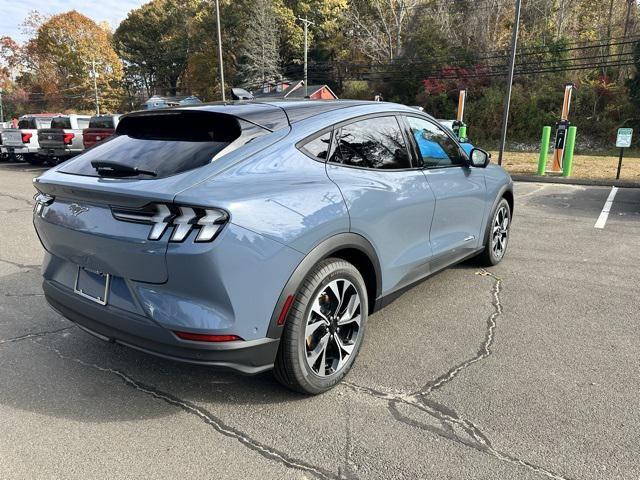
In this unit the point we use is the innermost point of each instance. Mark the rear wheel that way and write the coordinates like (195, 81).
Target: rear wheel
(497, 235)
(324, 329)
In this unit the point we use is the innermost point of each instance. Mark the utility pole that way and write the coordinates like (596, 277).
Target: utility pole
(512, 65)
(95, 85)
(306, 23)
(623, 70)
(1, 108)
(220, 51)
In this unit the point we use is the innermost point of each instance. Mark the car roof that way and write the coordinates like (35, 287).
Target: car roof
(272, 115)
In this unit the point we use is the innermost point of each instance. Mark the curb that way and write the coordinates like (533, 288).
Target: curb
(575, 181)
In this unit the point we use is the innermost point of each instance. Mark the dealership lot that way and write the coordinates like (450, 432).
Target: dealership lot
(526, 370)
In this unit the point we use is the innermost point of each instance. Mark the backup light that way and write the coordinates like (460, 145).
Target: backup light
(207, 221)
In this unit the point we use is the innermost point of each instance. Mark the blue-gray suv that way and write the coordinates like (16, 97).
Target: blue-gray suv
(262, 235)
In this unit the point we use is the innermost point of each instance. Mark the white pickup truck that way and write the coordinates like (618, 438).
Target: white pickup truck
(22, 143)
(64, 139)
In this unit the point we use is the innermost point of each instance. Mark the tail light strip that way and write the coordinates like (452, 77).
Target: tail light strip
(184, 219)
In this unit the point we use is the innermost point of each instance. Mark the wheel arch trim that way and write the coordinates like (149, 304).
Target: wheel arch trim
(500, 195)
(333, 244)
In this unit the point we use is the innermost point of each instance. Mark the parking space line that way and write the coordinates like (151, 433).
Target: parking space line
(604, 215)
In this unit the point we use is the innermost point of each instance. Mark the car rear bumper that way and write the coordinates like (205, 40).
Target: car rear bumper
(119, 326)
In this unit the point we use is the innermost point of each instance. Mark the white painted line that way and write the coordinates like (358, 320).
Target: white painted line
(602, 219)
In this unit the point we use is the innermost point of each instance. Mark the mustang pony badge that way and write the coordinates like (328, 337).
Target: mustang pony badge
(77, 209)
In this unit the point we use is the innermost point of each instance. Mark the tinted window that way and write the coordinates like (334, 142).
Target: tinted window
(27, 123)
(61, 122)
(165, 143)
(435, 147)
(372, 143)
(319, 147)
(83, 123)
(101, 122)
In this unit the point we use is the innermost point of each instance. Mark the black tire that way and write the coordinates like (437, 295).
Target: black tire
(291, 367)
(490, 256)
(34, 159)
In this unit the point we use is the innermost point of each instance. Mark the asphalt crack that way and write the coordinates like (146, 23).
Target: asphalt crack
(485, 349)
(207, 417)
(34, 335)
(17, 199)
(23, 266)
(348, 471)
(452, 426)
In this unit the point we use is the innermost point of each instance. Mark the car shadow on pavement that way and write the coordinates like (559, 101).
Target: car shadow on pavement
(52, 367)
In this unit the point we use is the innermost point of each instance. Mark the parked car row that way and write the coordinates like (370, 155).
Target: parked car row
(54, 138)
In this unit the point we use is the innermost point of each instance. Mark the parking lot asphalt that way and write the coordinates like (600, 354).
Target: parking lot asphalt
(527, 370)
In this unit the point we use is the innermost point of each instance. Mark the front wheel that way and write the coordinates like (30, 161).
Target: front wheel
(324, 329)
(497, 235)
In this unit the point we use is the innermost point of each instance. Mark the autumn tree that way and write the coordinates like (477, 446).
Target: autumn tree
(155, 42)
(63, 51)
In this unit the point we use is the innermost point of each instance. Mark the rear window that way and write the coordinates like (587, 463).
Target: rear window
(27, 123)
(166, 143)
(101, 122)
(61, 122)
(83, 123)
(33, 123)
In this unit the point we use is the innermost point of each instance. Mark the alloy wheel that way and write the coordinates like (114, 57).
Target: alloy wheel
(333, 327)
(500, 233)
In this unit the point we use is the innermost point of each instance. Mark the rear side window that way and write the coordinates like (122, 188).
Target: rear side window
(101, 122)
(373, 143)
(83, 123)
(318, 147)
(165, 143)
(61, 122)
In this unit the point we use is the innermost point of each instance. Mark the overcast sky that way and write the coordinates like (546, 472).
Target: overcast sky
(14, 11)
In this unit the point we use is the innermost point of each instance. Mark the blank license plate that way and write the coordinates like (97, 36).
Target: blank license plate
(92, 285)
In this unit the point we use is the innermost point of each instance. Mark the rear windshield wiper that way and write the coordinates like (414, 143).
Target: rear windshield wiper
(106, 167)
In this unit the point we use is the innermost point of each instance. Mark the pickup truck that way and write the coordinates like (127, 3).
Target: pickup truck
(100, 128)
(12, 146)
(22, 143)
(64, 139)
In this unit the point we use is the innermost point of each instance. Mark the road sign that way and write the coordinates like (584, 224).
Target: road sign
(624, 137)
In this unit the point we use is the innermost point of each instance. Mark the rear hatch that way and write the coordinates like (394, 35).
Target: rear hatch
(11, 138)
(151, 158)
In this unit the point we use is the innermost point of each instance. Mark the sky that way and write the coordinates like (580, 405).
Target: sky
(13, 12)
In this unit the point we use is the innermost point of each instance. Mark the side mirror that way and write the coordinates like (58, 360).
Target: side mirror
(479, 158)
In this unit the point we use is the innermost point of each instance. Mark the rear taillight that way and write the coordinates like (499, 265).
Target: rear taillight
(68, 138)
(205, 337)
(182, 219)
(26, 137)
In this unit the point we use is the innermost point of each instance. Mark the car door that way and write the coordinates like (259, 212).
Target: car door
(389, 200)
(459, 189)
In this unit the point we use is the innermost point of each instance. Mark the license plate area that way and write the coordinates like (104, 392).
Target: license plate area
(92, 285)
